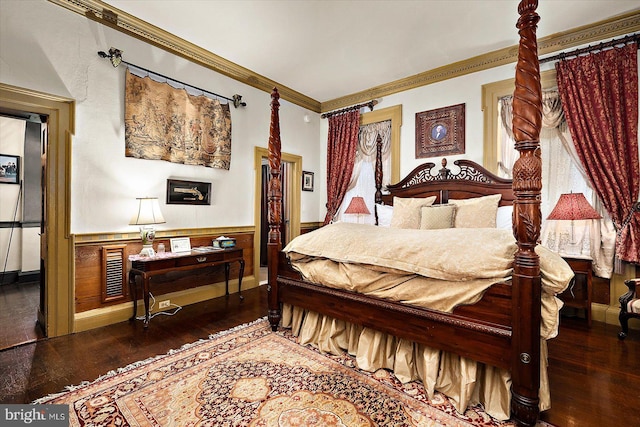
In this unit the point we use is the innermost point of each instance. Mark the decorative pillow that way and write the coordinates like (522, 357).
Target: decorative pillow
(384, 213)
(406, 211)
(479, 212)
(437, 216)
(504, 218)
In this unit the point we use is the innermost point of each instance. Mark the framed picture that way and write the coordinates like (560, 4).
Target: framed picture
(307, 181)
(9, 169)
(180, 244)
(440, 132)
(188, 192)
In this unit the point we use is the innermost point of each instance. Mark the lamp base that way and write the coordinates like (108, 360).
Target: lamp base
(573, 248)
(147, 250)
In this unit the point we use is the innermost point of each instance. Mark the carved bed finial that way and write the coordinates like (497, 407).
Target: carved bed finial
(444, 172)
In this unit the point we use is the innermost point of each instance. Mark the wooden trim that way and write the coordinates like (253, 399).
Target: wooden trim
(619, 25)
(59, 257)
(104, 316)
(119, 20)
(295, 196)
(395, 115)
(114, 18)
(91, 238)
(491, 94)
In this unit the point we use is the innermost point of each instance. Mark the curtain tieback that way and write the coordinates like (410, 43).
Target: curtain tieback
(627, 220)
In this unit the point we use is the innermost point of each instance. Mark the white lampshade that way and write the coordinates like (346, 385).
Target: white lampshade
(147, 212)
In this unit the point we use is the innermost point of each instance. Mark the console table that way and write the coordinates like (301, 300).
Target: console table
(162, 263)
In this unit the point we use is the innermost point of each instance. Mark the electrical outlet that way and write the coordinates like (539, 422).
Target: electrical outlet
(164, 304)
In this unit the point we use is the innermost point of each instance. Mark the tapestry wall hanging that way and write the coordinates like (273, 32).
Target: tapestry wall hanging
(440, 132)
(164, 123)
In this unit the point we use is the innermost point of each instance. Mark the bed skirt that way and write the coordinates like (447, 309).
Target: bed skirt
(464, 381)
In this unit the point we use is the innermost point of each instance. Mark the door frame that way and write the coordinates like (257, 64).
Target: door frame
(59, 249)
(296, 189)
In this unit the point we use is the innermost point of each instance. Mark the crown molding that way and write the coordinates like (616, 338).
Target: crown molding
(620, 25)
(105, 14)
(121, 21)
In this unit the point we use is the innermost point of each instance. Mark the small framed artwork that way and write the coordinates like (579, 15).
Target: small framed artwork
(440, 132)
(9, 169)
(307, 181)
(188, 192)
(180, 244)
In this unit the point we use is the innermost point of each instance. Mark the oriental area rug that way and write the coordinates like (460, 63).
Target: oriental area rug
(251, 376)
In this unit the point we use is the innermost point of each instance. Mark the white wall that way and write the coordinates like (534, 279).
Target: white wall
(11, 142)
(47, 48)
(462, 90)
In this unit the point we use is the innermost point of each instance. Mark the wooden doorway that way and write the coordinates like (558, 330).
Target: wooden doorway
(24, 135)
(291, 199)
(56, 312)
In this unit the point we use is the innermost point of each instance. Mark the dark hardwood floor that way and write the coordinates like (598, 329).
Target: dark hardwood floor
(595, 378)
(19, 313)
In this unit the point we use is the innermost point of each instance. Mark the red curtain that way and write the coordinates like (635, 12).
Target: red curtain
(341, 153)
(599, 95)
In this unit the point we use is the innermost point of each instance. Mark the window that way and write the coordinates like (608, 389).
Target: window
(387, 122)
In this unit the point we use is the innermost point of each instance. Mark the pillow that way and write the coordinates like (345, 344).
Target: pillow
(504, 218)
(384, 213)
(479, 212)
(437, 216)
(406, 211)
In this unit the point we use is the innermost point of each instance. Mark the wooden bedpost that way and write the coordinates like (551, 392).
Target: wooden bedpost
(527, 183)
(378, 175)
(274, 244)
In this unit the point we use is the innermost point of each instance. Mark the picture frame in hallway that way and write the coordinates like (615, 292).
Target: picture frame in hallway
(307, 181)
(9, 169)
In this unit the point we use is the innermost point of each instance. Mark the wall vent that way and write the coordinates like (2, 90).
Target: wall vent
(114, 284)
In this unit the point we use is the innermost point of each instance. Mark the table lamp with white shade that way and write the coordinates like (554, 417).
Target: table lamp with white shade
(147, 214)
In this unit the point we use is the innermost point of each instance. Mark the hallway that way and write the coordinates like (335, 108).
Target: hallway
(19, 314)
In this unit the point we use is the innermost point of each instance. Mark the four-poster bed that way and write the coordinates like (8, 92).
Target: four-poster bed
(502, 329)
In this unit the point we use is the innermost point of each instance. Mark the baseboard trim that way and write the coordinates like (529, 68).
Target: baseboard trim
(99, 317)
(610, 314)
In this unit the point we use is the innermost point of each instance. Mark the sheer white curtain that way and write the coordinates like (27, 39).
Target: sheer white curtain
(562, 172)
(363, 181)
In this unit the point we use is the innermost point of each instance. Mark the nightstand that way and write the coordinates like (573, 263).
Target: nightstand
(578, 294)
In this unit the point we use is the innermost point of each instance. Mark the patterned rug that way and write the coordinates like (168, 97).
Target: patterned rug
(250, 376)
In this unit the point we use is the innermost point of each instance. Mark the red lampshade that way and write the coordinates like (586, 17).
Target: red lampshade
(573, 206)
(357, 206)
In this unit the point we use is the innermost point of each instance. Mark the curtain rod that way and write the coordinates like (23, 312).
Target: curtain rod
(369, 104)
(591, 48)
(115, 56)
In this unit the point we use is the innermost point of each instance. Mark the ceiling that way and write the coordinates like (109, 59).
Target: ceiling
(326, 49)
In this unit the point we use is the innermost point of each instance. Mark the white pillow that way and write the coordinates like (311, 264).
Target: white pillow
(477, 212)
(504, 218)
(407, 211)
(384, 212)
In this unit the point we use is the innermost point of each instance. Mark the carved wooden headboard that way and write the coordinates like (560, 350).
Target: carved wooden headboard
(466, 181)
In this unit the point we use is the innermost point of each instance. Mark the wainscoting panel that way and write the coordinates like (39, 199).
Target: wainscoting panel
(102, 267)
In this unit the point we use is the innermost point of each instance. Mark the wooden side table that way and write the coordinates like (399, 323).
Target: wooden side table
(147, 267)
(578, 294)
